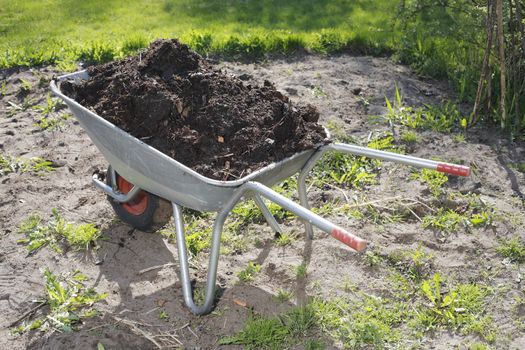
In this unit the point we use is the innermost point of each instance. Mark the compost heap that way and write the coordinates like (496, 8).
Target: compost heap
(174, 100)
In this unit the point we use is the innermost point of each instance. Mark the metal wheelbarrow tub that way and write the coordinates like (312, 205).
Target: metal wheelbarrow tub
(150, 170)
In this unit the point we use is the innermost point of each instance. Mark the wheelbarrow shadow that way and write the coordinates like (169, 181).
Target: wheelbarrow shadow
(140, 273)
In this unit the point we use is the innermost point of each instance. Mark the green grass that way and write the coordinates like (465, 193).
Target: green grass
(352, 171)
(406, 313)
(433, 179)
(512, 249)
(442, 118)
(32, 32)
(69, 302)
(56, 232)
(474, 214)
(281, 332)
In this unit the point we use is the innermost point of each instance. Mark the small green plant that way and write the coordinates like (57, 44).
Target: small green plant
(412, 264)
(443, 118)
(433, 179)
(518, 166)
(69, 302)
(285, 239)
(462, 308)
(373, 257)
(301, 271)
(445, 220)
(25, 86)
(459, 138)
(52, 122)
(249, 273)
(478, 346)
(37, 165)
(476, 213)
(512, 249)
(318, 91)
(56, 232)
(409, 137)
(52, 105)
(3, 88)
(283, 295)
(14, 108)
(163, 315)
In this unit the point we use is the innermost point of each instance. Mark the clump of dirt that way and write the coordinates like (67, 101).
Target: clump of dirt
(174, 100)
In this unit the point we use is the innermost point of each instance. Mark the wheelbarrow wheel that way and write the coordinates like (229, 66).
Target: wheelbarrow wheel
(146, 212)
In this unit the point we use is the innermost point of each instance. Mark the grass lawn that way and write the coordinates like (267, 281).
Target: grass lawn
(62, 31)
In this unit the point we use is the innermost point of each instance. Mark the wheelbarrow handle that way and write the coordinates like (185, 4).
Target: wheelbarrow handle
(452, 169)
(335, 231)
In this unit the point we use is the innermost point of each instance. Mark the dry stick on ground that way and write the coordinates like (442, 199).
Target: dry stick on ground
(156, 268)
(502, 67)
(137, 330)
(26, 314)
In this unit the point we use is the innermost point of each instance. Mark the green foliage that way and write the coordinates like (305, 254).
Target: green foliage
(352, 171)
(476, 213)
(14, 108)
(409, 137)
(22, 165)
(443, 118)
(51, 123)
(52, 105)
(370, 322)
(51, 35)
(249, 273)
(301, 270)
(163, 315)
(460, 308)
(318, 91)
(433, 179)
(445, 220)
(285, 239)
(3, 88)
(69, 302)
(56, 232)
(25, 86)
(283, 295)
(276, 333)
(512, 249)
(518, 166)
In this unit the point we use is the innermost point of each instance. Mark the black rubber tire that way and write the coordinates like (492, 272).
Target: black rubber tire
(156, 215)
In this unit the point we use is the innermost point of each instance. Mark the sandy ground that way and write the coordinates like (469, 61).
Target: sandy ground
(347, 90)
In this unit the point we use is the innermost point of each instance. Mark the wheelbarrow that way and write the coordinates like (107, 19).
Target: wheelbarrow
(140, 178)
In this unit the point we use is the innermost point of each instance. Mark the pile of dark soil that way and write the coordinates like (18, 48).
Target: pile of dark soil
(173, 99)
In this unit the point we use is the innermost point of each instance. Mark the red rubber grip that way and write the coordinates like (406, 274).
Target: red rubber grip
(349, 239)
(452, 169)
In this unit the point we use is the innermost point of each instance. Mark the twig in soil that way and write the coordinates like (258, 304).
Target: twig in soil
(413, 213)
(26, 314)
(388, 199)
(340, 190)
(192, 332)
(150, 311)
(225, 156)
(138, 331)
(155, 268)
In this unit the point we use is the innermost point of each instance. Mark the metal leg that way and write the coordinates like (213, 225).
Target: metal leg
(267, 214)
(301, 188)
(214, 255)
(258, 189)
